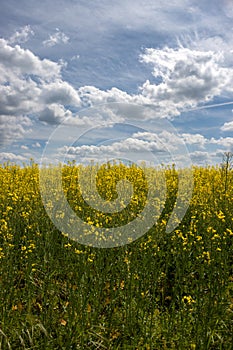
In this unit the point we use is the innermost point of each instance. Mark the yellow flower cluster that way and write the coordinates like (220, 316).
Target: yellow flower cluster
(20, 203)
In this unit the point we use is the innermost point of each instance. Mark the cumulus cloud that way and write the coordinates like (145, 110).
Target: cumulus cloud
(30, 86)
(21, 36)
(164, 138)
(145, 135)
(226, 142)
(8, 156)
(57, 38)
(13, 127)
(186, 77)
(61, 92)
(183, 79)
(15, 60)
(163, 145)
(115, 149)
(205, 144)
(227, 126)
(157, 148)
(19, 96)
(91, 95)
(194, 139)
(54, 114)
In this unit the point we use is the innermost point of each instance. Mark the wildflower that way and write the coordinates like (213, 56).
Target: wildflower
(206, 256)
(77, 251)
(229, 231)
(187, 299)
(1, 253)
(68, 245)
(221, 215)
(216, 236)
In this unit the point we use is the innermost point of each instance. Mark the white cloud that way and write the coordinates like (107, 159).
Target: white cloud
(173, 139)
(13, 127)
(22, 35)
(188, 77)
(145, 135)
(91, 95)
(15, 60)
(194, 139)
(19, 96)
(30, 86)
(57, 113)
(8, 156)
(54, 114)
(36, 145)
(164, 138)
(217, 42)
(59, 91)
(227, 126)
(185, 79)
(140, 143)
(56, 38)
(164, 147)
(226, 142)
(115, 149)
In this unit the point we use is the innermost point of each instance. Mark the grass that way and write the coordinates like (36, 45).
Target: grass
(163, 291)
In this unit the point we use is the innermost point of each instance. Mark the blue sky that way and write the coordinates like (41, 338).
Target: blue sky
(66, 65)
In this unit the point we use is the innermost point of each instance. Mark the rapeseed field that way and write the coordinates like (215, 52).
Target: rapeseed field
(164, 290)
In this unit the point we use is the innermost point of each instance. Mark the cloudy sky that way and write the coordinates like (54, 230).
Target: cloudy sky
(141, 80)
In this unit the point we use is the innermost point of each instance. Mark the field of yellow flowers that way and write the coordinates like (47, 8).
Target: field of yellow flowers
(162, 291)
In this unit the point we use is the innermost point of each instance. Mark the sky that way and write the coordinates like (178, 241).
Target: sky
(99, 80)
